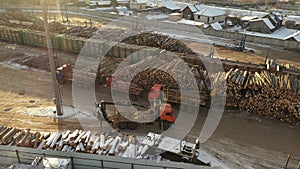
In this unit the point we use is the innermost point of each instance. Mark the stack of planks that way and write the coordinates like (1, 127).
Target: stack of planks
(105, 143)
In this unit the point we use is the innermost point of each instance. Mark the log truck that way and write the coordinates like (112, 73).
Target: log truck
(162, 113)
(84, 77)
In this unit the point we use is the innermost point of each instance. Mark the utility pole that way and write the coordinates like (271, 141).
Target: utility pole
(66, 12)
(51, 60)
(62, 14)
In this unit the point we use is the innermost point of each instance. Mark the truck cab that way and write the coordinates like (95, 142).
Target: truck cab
(166, 113)
(64, 73)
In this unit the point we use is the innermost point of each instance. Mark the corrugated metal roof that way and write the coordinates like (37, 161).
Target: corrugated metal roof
(142, 1)
(282, 33)
(192, 8)
(297, 37)
(248, 18)
(268, 23)
(211, 12)
(170, 5)
(200, 7)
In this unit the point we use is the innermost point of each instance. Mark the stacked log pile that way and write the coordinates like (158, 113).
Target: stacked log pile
(105, 143)
(18, 18)
(80, 31)
(156, 71)
(159, 41)
(40, 62)
(272, 95)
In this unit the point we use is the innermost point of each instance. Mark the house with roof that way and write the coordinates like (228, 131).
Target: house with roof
(168, 6)
(244, 21)
(103, 4)
(210, 15)
(189, 10)
(262, 25)
(138, 4)
(294, 41)
(267, 24)
(276, 18)
(203, 13)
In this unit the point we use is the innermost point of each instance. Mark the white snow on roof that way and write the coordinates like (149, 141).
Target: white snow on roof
(100, 2)
(282, 33)
(293, 17)
(200, 7)
(273, 18)
(211, 12)
(216, 26)
(182, 4)
(170, 4)
(297, 37)
(122, 1)
(240, 12)
(196, 8)
(192, 8)
(104, 2)
(268, 23)
(232, 11)
(190, 22)
(142, 1)
(248, 18)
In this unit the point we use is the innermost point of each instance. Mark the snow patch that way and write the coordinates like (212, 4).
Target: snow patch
(216, 26)
(157, 17)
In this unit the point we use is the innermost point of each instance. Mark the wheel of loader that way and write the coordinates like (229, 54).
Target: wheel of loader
(132, 125)
(122, 125)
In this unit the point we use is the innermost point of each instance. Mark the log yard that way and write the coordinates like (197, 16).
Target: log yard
(150, 84)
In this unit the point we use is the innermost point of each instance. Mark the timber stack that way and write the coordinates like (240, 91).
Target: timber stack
(159, 41)
(272, 95)
(104, 143)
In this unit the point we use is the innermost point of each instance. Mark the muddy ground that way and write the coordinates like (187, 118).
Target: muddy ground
(240, 141)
